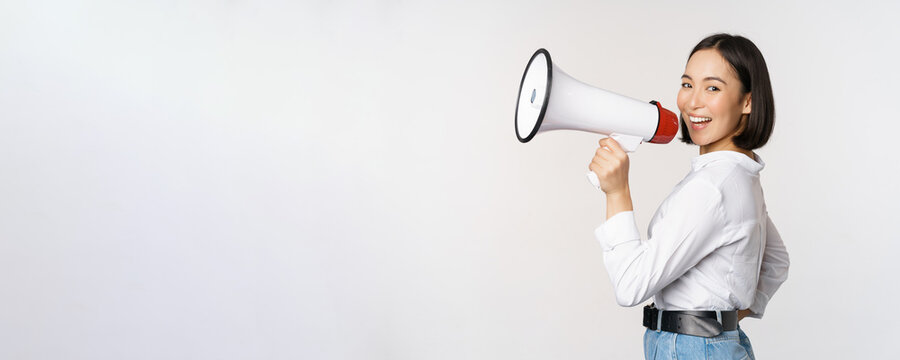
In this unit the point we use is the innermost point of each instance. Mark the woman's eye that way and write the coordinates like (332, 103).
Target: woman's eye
(712, 88)
(686, 85)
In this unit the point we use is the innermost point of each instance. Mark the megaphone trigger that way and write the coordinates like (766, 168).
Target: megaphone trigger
(629, 143)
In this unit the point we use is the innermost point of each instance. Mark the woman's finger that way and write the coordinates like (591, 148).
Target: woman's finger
(598, 170)
(613, 146)
(599, 164)
(603, 153)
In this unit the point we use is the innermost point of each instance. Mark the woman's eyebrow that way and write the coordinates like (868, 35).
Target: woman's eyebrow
(706, 78)
(716, 79)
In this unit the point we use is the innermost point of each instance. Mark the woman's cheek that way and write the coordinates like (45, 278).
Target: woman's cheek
(680, 100)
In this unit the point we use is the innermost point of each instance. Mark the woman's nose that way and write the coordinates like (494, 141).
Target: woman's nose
(696, 100)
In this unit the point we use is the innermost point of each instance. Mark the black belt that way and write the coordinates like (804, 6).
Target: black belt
(697, 323)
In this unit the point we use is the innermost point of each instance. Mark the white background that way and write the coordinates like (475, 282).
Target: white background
(341, 180)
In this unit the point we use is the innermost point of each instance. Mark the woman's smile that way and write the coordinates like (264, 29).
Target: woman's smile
(699, 122)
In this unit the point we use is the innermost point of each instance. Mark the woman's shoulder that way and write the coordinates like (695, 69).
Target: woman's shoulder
(696, 187)
(738, 191)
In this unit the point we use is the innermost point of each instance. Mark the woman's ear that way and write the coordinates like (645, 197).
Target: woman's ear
(745, 115)
(747, 103)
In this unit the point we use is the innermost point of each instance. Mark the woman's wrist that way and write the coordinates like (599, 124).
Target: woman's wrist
(618, 201)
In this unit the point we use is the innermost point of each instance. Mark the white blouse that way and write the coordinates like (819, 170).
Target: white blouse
(712, 245)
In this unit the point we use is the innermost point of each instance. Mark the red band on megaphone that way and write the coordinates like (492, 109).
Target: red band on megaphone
(667, 126)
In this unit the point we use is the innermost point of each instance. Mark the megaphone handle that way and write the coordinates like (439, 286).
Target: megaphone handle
(629, 144)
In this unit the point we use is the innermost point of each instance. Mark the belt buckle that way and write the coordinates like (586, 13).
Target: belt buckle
(659, 314)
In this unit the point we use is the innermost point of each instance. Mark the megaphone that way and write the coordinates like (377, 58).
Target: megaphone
(550, 99)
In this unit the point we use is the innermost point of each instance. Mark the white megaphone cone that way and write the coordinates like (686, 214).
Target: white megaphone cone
(550, 99)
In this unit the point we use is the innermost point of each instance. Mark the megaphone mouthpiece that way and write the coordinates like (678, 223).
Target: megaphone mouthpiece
(667, 126)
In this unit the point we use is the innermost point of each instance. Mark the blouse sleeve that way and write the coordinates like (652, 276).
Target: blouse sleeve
(773, 271)
(681, 238)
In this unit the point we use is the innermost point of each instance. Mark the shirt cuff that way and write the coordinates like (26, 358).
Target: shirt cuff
(618, 229)
(759, 305)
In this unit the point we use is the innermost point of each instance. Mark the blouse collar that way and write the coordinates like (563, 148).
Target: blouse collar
(752, 165)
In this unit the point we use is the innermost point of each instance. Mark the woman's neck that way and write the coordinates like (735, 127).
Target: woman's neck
(723, 145)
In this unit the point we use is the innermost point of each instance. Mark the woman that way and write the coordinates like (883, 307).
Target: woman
(713, 255)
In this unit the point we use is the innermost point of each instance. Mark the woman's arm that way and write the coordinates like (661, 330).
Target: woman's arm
(685, 235)
(773, 272)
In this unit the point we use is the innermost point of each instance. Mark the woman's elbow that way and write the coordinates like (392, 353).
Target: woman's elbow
(629, 297)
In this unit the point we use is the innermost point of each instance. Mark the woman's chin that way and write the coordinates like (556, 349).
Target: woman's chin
(699, 142)
(694, 139)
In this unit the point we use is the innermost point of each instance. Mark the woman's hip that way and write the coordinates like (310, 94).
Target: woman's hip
(732, 344)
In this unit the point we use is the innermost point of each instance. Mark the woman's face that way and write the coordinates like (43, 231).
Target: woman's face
(711, 101)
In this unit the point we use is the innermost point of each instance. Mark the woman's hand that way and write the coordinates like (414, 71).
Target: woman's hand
(743, 313)
(610, 163)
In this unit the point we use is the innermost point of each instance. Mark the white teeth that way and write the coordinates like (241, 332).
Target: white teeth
(699, 119)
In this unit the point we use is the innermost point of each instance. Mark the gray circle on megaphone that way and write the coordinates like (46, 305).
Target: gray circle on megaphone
(538, 84)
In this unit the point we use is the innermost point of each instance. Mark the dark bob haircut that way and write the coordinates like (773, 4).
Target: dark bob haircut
(750, 67)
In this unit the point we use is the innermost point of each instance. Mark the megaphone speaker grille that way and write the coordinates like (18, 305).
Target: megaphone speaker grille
(534, 95)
